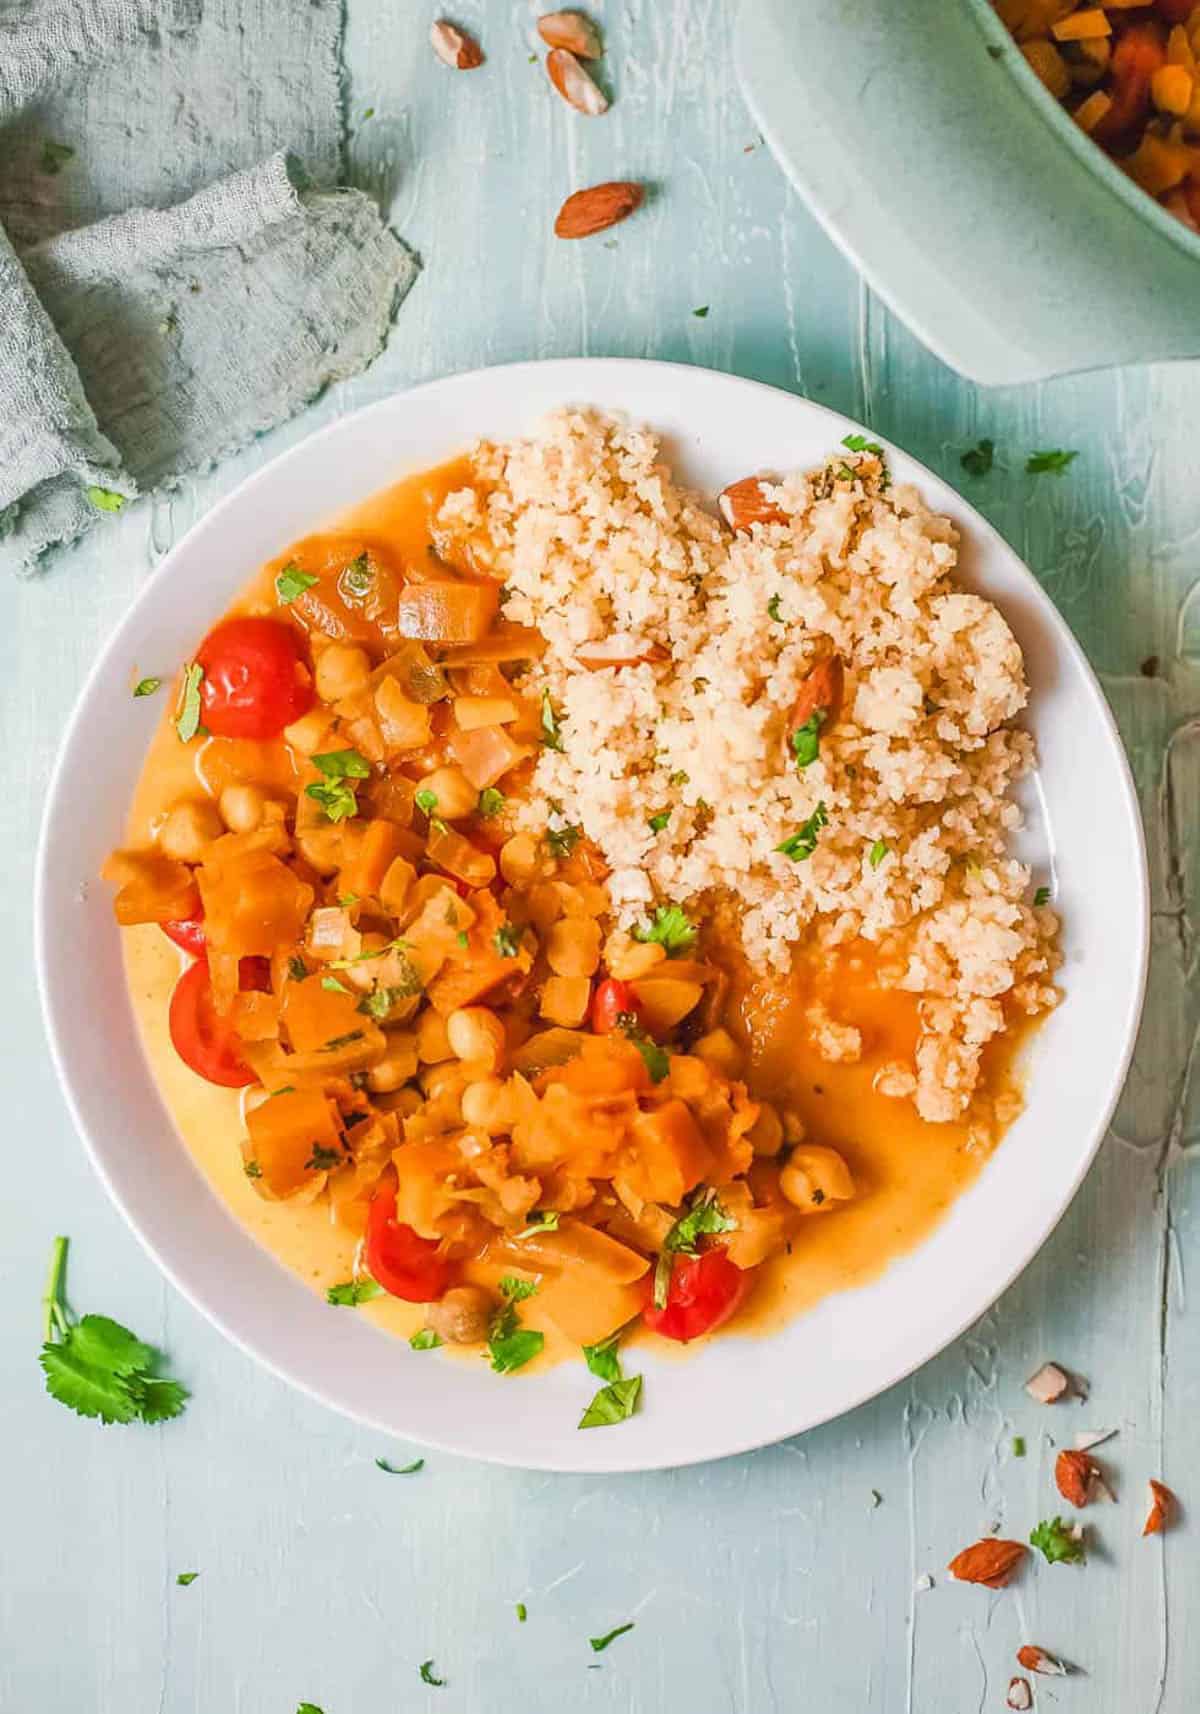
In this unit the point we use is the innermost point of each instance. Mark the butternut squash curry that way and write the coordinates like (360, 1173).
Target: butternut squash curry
(458, 1092)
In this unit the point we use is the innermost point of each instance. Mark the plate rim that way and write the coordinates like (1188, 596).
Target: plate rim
(260, 1350)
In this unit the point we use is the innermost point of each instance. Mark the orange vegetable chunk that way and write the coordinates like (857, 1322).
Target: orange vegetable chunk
(447, 612)
(667, 1156)
(153, 888)
(314, 1016)
(293, 1140)
(486, 754)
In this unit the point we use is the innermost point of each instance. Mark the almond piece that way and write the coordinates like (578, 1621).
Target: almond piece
(1048, 1385)
(744, 503)
(1034, 1659)
(1074, 1473)
(1089, 1437)
(820, 693)
(574, 84)
(454, 47)
(571, 30)
(1162, 1507)
(1019, 1696)
(991, 1561)
(597, 208)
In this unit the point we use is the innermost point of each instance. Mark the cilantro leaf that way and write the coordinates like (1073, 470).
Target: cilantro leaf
(670, 927)
(613, 1403)
(701, 312)
(425, 1340)
(335, 797)
(773, 609)
(323, 1159)
(799, 846)
(507, 939)
(350, 1293)
(561, 841)
(297, 968)
(400, 1469)
(515, 1290)
(806, 739)
(343, 765)
(187, 720)
(146, 686)
(427, 1676)
(84, 1388)
(978, 459)
(522, 1612)
(99, 1340)
(491, 802)
(601, 1643)
(54, 157)
(1056, 1541)
(331, 985)
(1041, 897)
(292, 582)
(106, 499)
(657, 822)
(510, 1345)
(309, 1708)
(860, 443)
(541, 1220)
(551, 725)
(1038, 463)
(657, 1060)
(878, 852)
(186, 1578)
(161, 1399)
(602, 1360)
(381, 1002)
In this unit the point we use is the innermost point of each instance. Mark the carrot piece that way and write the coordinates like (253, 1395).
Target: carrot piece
(313, 1016)
(381, 843)
(1136, 57)
(293, 1142)
(667, 1156)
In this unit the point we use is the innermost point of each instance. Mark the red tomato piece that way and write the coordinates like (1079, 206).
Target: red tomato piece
(403, 1262)
(202, 1038)
(611, 1000)
(256, 680)
(187, 932)
(705, 1290)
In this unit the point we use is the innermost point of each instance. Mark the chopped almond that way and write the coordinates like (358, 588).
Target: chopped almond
(1034, 1659)
(1074, 1473)
(597, 208)
(1162, 1508)
(571, 30)
(1048, 1384)
(1019, 1696)
(574, 84)
(991, 1561)
(454, 47)
(744, 503)
(820, 693)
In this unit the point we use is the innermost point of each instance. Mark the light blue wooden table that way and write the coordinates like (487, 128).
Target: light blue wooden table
(771, 1584)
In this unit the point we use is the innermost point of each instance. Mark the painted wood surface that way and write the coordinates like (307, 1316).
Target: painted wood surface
(771, 1584)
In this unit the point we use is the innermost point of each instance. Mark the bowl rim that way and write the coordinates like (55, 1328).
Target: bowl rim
(260, 1348)
(1055, 115)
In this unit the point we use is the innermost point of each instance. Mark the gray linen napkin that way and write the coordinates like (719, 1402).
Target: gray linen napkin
(138, 347)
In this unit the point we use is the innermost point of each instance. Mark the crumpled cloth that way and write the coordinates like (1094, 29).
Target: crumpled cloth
(138, 343)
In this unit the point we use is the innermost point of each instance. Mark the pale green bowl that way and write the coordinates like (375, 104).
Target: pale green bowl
(968, 198)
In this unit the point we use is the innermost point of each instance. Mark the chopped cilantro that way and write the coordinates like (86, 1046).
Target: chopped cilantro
(350, 1293)
(186, 1578)
(297, 968)
(1041, 897)
(95, 1366)
(309, 1708)
(860, 443)
(522, 1612)
(292, 582)
(187, 719)
(427, 1674)
(252, 1169)
(846, 472)
(878, 852)
(347, 899)
(368, 113)
(561, 841)
(425, 1340)
(425, 800)
(380, 1003)
(491, 802)
(659, 821)
(601, 1643)
(515, 1290)
(657, 1059)
(399, 1469)
(357, 578)
(323, 1159)
(551, 729)
(343, 765)
(773, 609)
(541, 1220)
(705, 1218)
(463, 938)
(602, 1360)
(1056, 1541)
(670, 927)
(342, 1041)
(333, 986)
(701, 312)
(106, 499)
(146, 686)
(335, 797)
(800, 845)
(55, 157)
(510, 1345)
(1018, 1446)
(806, 739)
(613, 1403)
(507, 939)
(1038, 463)
(978, 459)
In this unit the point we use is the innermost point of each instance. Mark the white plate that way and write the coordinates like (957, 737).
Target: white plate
(735, 1393)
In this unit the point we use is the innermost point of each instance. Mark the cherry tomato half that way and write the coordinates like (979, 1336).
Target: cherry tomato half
(256, 680)
(202, 1038)
(187, 932)
(611, 1000)
(705, 1290)
(403, 1263)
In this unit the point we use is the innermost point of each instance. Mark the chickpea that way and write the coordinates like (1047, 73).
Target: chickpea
(487, 1106)
(433, 1041)
(477, 1035)
(189, 829)
(766, 1133)
(397, 1066)
(519, 860)
(573, 946)
(815, 1178)
(462, 1316)
(456, 796)
(628, 959)
(246, 808)
(309, 732)
(341, 670)
(321, 848)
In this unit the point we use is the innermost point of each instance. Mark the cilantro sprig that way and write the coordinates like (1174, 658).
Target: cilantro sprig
(511, 1346)
(799, 846)
(1057, 1542)
(1052, 462)
(95, 1366)
(670, 927)
(350, 1293)
(335, 793)
(293, 582)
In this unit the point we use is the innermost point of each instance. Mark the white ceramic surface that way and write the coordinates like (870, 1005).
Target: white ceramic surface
(737, 1392)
